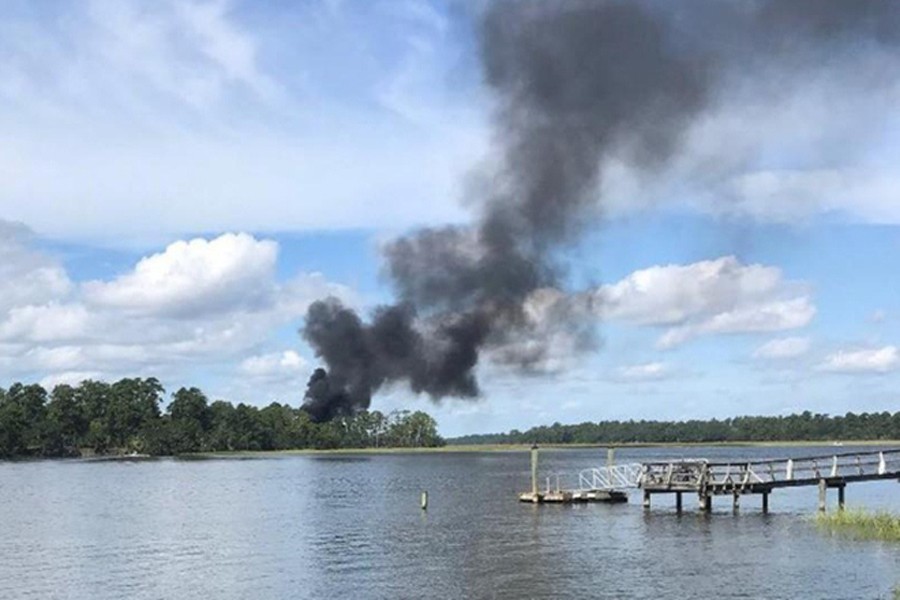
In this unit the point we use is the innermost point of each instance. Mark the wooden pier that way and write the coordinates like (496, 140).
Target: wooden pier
(735, 479)
(707, 479)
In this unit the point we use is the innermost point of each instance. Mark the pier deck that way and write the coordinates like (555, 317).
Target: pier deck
(709, 478)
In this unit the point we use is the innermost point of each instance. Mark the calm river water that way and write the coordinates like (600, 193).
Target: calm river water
(351, 527)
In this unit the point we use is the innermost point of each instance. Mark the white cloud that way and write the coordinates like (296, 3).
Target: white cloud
(231, 271)
(203, 303)
(26, 275)
(877, 360)
(49, 322)
(653, 371)
(128, 120)
(708, 297)
(145, 120)
(826, 144)
(277, 365)
(782, 348)
(68, 378)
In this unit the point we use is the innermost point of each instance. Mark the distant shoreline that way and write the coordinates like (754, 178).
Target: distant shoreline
(457, 449)
(471, 448)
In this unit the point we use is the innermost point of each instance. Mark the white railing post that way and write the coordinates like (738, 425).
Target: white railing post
(789, 474)
(834, 469)
(882, 466)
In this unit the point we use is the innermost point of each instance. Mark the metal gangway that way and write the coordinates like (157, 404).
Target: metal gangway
(611, 477)
(608, 478)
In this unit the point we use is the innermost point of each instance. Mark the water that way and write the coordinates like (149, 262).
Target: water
(351, 526)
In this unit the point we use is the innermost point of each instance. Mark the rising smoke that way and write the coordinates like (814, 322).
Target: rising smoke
(575, 84)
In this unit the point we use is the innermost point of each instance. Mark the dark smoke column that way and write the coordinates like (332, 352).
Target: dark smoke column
(576, 83)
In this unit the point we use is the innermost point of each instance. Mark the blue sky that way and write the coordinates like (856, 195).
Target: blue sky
(181, 179)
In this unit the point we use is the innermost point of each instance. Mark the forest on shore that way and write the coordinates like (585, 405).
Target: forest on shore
(805, 426)
(126, 417)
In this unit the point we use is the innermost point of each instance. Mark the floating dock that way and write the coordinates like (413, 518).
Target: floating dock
(604, 491)
(575, 497)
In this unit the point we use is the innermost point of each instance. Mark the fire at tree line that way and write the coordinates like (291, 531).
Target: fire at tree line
(103, 418)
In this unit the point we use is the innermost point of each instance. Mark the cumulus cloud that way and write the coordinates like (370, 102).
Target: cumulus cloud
(72, 378)
(203, 302)
(276, 365)
(26, 275)
(707, 297)
(783, 348)
(875, 360)
(200, 276)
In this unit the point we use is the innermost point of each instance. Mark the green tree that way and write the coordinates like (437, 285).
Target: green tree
(189, 421)
(12, 427)
(133, 405)
(29, 406)
(66, 415)
(221, 433)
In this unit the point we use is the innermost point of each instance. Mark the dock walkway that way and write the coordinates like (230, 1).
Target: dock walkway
(709, 478)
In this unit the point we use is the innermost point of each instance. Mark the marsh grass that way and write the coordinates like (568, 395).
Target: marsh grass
(862, 524)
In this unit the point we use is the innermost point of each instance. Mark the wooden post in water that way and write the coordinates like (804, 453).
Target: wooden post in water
(822, 488)
(534, 471)
(765, 502)
(678, 502)
(705, 502)
(736, 503)
(424, 500)
(841, 497)
(646, 500)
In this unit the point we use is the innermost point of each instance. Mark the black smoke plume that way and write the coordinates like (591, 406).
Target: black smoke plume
(575, 84)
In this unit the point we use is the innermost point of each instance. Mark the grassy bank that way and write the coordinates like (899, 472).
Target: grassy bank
(861, 524)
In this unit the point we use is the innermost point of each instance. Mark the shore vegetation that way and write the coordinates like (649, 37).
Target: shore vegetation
(803, 427)
(125, 417)
(862, 524)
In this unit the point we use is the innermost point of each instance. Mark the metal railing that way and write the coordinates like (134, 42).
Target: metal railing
(615, 477)
(611, 477)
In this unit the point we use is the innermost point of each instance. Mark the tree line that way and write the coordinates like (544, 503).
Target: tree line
(126, 417)
(805, 426)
